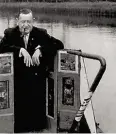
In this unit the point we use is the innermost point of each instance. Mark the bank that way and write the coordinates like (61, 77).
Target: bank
(106, 9)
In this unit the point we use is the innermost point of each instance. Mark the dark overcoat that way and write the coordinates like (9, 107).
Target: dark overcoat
(30, 82)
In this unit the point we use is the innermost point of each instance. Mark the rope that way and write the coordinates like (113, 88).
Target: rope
(88, 86)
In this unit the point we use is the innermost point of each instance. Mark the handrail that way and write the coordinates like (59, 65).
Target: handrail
(76, 122)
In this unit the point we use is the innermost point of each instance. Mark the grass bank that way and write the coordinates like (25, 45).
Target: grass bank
(107, 9)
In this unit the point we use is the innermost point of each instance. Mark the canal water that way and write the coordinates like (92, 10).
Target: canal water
(91, 35)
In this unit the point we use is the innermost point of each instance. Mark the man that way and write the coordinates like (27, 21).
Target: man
(33, 50)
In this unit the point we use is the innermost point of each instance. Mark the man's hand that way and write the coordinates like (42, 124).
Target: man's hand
(27, 57)
(36, 56)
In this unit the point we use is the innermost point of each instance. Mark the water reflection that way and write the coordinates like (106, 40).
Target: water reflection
(87, 34)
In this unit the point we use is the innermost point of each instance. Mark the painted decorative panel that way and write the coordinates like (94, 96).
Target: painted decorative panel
(68, 91)
(5, 64)
(4, 94)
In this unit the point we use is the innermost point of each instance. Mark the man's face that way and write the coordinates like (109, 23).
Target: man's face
(25, 23)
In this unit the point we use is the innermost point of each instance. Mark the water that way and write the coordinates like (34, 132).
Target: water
(91, 35)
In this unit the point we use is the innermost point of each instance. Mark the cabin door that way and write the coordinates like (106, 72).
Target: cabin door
(6, 93)
(63, 92)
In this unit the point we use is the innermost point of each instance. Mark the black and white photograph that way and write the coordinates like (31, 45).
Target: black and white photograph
(57, 66)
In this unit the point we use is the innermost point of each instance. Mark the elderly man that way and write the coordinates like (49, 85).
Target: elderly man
(33, 50)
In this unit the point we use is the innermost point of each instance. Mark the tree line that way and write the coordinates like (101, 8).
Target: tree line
(5, 1)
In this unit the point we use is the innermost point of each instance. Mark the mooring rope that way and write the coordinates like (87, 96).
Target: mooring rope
(88, 86)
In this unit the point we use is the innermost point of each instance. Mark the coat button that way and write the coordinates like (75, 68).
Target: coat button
(35, 73)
